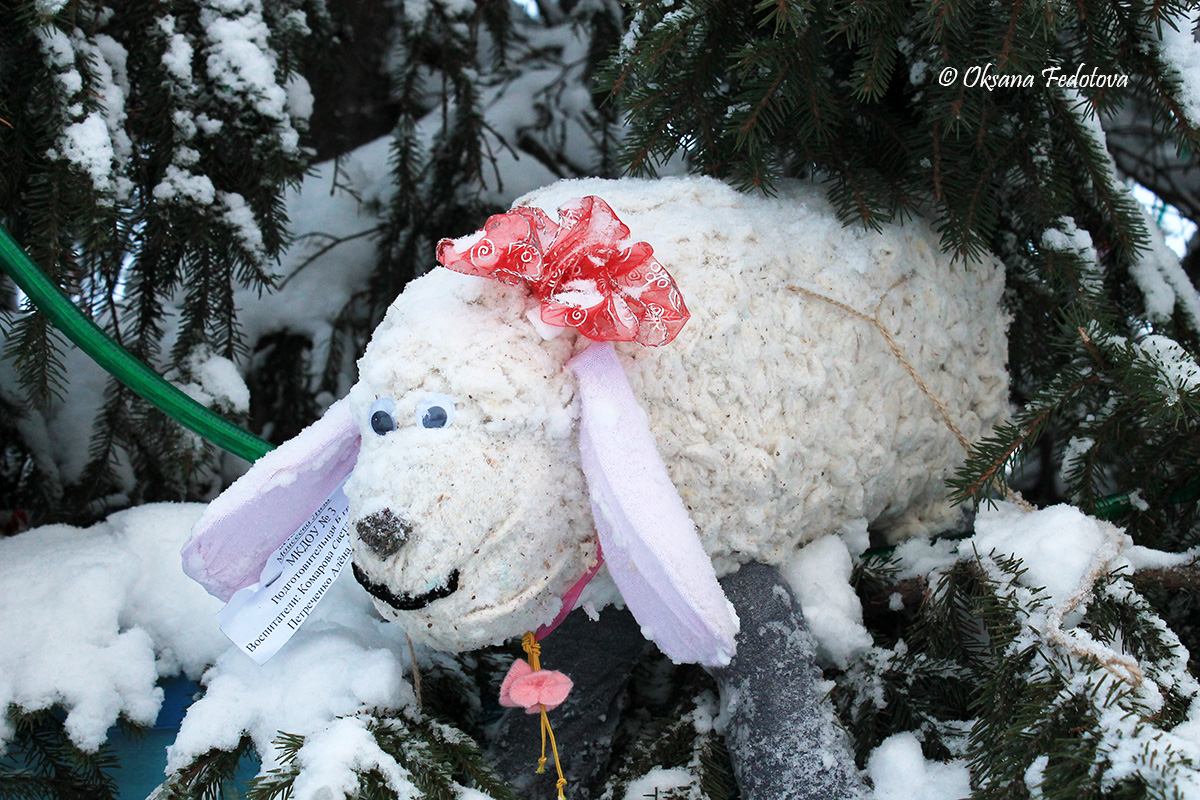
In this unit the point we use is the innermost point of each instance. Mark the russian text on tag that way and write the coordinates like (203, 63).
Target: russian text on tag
(262, 617)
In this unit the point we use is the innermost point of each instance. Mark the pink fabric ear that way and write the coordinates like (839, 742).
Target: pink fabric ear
(239, 530)
(649, 541)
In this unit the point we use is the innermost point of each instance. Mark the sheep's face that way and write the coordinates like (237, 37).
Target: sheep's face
(469, 510)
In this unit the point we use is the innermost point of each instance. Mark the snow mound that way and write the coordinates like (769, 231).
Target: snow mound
(900, 772)
(1056, 545)
(342, 661)
(91, 618)
(819, 575)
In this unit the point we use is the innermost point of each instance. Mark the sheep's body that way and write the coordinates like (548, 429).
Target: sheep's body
(780, 416)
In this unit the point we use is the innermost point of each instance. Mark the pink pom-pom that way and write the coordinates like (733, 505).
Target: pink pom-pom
(530, 690)
(519, 669)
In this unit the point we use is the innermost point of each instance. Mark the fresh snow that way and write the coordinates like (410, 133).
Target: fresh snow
(88, 145)
(239, 58)
(177, 184)
(240, 218)
(93, 141)
(177, 58)
(344, 660)
(659, 781)
(819, 575)
(61, 56)
(299, 97)
(109, 68)
(900, 772)
(1062, 552)
(1075, 450)
(1161, 278)
(90, 619)
(1178, 371)
(1157, 271)
(329, 760)
(1181, 52)
(48, 8)
(1068, 237)
(1057, 545)
(217, 384)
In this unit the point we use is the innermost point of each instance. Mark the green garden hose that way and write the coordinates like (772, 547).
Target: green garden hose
(1114, 505)
(81, 330)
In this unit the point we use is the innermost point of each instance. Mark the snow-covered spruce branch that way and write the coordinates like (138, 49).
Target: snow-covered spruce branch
(985, 467)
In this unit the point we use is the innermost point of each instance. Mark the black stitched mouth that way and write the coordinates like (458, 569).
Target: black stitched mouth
(403, 602)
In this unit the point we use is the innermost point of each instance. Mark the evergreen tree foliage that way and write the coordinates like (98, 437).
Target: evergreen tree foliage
(972, 668)
(415, 756)
(679, 734)
(43, 764)
(484, 93)
(192, 119)
(206, 777)
(147, 147)
(1124, 406)
(436, 759)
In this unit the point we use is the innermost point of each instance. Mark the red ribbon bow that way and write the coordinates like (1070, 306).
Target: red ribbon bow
(585, 272)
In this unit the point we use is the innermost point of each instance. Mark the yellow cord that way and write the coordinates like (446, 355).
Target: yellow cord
(534, 651)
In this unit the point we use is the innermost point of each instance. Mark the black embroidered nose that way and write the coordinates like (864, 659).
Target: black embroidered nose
(383, 532)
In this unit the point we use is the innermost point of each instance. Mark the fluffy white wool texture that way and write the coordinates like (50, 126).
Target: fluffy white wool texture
(780, 417)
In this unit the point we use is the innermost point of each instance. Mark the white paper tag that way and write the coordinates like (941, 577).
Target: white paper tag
(260, 618)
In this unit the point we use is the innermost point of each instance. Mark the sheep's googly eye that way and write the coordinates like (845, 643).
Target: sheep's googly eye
(383, 419)
(435, 411)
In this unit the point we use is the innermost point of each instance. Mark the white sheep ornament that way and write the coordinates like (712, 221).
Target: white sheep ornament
(498, 450)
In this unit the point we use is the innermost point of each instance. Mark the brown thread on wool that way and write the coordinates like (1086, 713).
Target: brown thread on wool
(908, 367)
